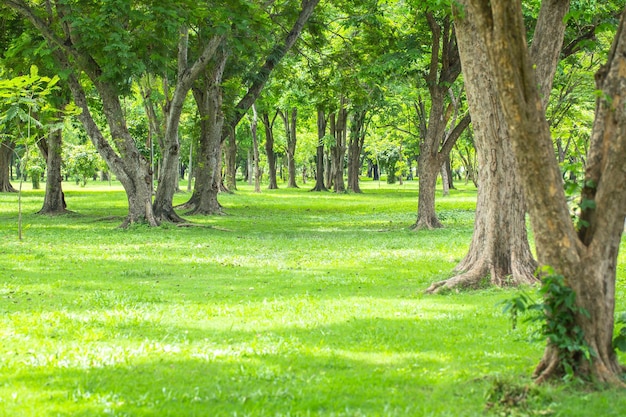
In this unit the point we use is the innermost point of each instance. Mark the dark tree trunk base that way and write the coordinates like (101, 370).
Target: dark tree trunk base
(167, 216)
(605, 371)
(8, 188)
(319, 188)
(427, 224)
(481, 272)
(196, 207)
(54, 212)
(129, 221)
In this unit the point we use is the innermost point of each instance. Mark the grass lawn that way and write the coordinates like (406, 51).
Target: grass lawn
(292, 304)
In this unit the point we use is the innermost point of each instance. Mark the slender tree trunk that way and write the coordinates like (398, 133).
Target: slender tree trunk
(269, 149)
(54, 199)
(231, 161)
(329, 161)
(250, 171)
(339, 151)
(319, 158)
(6, 155)
(428, 173)
(255, 148)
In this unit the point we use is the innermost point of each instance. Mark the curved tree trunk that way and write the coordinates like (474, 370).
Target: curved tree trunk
(6, 155)
(54, 199)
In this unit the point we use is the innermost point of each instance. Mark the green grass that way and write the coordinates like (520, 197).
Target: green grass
(292, 304)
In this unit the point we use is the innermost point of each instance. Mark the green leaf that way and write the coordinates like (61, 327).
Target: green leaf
(620, 341)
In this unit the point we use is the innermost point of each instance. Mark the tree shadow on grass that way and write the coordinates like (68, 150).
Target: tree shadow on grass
(373, 366)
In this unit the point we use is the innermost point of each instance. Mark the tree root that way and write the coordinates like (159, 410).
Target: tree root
(478, 275)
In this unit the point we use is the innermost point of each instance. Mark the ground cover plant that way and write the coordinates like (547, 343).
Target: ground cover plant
(292, 304)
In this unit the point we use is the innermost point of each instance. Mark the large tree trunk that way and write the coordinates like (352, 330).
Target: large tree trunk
(54, 199)
(587, 258)
(499, 248)
(289, 119)
(269, 149)
(6, 155)
(319, 157)
(357, 140)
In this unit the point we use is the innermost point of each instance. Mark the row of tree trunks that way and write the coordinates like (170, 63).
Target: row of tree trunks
(355, 149)
(6, 156)
(289, 120)
(320, 185)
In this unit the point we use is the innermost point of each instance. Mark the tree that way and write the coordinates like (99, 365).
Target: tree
(94, 39)
(255, 82)
(585, 255)
(499, 249)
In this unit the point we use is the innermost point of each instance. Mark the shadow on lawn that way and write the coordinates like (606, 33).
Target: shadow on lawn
(346, 369)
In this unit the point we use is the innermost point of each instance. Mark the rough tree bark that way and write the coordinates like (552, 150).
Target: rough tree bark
(499, 251)
(319, 157)
(269, 148)
(54, 199)
(586, 258)
(6, 155)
